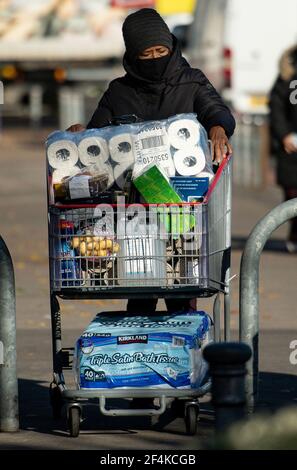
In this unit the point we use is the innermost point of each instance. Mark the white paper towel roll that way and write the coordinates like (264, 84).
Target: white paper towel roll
(183, 133)
(93, 150)
(189, 162)
(120, 173)
(62, 154)
(120, 147)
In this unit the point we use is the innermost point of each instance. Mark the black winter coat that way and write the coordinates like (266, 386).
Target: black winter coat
(181, 90)
(283, 119)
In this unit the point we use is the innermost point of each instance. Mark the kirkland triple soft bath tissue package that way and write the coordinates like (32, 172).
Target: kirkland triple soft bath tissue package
(159, 350)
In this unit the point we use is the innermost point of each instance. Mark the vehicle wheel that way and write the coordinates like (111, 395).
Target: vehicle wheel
(191, 418)
(74, 421)
(56, 402)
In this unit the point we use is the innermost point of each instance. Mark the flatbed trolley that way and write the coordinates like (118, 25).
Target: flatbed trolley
(179, 267)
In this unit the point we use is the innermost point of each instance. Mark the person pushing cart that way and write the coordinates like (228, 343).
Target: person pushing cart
(159, 83)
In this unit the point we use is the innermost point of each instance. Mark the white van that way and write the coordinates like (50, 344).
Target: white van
(247, 49)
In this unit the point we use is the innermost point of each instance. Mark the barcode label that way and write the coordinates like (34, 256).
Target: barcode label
(152, 142)
(178, 341)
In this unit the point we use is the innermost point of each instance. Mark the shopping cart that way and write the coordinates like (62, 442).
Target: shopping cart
(190, 258)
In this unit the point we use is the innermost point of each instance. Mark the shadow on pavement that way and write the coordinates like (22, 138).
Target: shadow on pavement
(276, 390)
(36, 415)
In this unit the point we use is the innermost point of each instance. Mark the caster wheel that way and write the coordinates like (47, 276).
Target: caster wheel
(191, 418)
(74, 421)
(56, 402)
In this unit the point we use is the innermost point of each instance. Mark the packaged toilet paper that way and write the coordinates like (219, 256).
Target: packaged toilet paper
(160, 350)
(178, 146)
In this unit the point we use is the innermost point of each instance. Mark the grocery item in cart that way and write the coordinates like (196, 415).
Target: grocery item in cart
(62, 151)
(142, 256)
(191, 189)
(160, 350)
(89, 182)
(155, 186)
(177, 146)
(93, 246)
(66, 265)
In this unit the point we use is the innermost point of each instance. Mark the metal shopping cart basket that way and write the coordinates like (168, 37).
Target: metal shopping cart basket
(190, 259)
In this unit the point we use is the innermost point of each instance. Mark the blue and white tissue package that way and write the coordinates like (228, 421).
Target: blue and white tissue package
(159, 350)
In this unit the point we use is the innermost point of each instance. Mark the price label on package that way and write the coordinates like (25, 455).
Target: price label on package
(151, 146)
(79, 187)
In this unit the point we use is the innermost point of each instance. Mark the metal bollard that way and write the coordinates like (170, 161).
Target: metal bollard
(9, 415)
(249, 288)
(227, 369)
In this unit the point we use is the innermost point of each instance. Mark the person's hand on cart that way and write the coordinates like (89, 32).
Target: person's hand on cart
(221, 146)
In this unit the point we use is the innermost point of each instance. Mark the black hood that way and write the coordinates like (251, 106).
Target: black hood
(176, 63)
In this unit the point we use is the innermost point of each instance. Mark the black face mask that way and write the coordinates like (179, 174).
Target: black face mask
(152, 69)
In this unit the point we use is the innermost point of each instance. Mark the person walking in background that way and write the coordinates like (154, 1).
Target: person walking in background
(283, 125)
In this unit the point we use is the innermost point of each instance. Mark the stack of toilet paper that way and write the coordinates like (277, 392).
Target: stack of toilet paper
(178, 145)
(112, 151)
(160, 350)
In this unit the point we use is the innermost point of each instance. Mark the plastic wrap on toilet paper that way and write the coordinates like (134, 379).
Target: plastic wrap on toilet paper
(160, 350)
(121, 148)
(120, 174)
(62, 151)
(190, 147)
(178, 146)
(189, 161)
(92, 147)
(183, 133)
(151, 146)
(206, 174)
(59, 175)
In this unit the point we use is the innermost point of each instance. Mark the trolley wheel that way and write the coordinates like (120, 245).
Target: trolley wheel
(74, 421)
(56, 402)
(191, 418)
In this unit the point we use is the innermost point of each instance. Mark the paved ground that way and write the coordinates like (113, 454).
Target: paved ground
(23, 225)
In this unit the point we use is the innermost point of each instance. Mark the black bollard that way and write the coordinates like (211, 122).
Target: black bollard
(227, 367)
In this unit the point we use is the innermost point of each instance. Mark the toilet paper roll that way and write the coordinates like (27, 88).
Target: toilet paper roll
(206, 174)
(120, 173)
(58, 175)
(93, 150)
(189, 162)
(183, 133)
(107, 168)
(62, 154)
(120, 148)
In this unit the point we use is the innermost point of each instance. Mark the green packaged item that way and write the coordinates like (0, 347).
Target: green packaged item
(155, 188)
(176, 220)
